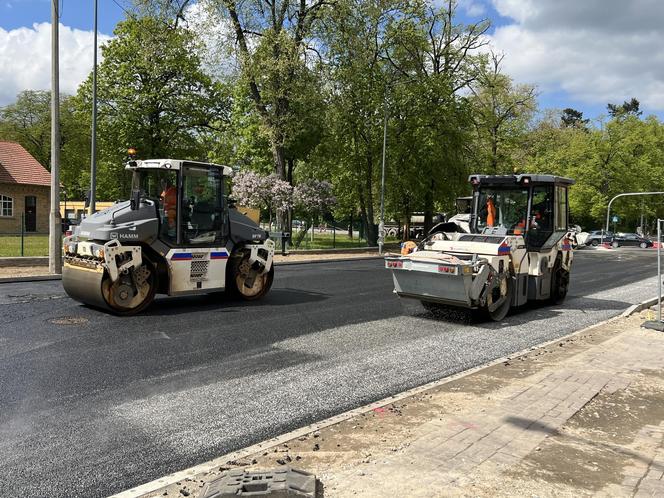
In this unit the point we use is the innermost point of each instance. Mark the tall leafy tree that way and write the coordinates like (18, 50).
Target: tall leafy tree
(627, 108)
(28, 122)
(573, 118)
(434, 57)
(271, 41)
(153, 95)
(501, 112)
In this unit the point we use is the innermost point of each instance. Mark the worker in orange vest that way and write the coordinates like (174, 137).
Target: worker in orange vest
(490, 212)
(169, 198)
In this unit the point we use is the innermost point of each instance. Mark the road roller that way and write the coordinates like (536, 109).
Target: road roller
(514, 247)
(178, 234)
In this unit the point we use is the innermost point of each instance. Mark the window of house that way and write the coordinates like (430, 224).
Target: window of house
(6, 206)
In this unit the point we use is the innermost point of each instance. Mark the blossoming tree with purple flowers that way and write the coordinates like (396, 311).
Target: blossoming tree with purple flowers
(263, 192)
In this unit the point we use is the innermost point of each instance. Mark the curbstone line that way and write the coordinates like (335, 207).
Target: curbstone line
(635, 308)
(24, 261)
(311, 261)
(219, 461)
(36, 278)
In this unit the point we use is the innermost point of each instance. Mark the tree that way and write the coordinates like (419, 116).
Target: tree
(28, 122)
(154, 96)
(571, 118)
(271, 40)
(263, 191)
(435, 59)
(501, 112)
(624, 109)
(313, 198)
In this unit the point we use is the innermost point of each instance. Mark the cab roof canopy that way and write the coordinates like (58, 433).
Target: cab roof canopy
(175, 164)
(520, 179)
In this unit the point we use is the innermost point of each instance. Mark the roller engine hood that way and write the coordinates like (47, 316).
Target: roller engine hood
(122, 223)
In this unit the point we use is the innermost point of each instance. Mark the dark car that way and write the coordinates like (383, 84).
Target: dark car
(595, 237)
(631, 239)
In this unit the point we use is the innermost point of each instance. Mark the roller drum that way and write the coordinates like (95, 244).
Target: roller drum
(84, 285)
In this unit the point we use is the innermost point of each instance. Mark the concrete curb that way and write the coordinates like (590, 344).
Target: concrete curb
(24, 261)
(164, 481)
(311, 261)
(41, 278)
(635, 308)
(35, 278)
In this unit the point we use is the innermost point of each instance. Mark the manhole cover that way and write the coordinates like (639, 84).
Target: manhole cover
(69, 320)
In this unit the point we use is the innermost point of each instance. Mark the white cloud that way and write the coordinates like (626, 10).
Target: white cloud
(597, 51)
(25, 59)
(473, 8)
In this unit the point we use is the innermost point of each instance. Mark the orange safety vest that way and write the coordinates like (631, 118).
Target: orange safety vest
(491, 213)
(170, 199)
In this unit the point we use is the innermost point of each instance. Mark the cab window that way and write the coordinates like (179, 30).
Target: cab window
(202, 216)
(502, 210)
(541, 216)
(561, 212)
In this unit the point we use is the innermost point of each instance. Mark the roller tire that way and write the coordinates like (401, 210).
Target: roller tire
(233, 278)
(559, 283)
(501, 312)
(149, 298)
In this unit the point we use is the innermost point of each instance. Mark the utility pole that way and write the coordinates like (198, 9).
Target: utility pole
(55, 225)
(93, 151)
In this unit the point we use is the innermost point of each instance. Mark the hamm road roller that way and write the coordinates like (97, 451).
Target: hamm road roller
(519, 249)
(177, 235)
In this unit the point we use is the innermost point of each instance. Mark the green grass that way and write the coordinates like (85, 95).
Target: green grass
(329, 241)
(33, 245)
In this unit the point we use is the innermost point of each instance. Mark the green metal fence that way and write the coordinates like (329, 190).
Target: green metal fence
(22, 243)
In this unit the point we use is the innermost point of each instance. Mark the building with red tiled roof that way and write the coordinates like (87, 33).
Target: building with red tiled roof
(25, 189)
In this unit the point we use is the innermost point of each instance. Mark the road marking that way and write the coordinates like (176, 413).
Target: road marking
(161, 335)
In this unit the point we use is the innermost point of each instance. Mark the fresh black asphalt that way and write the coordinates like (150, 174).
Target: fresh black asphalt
(92, 404)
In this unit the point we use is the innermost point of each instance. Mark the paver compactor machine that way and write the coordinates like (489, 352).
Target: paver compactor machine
(177, 235)
(519, 249)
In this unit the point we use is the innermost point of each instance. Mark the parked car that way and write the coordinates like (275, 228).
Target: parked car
(631, 239)
(595, 237)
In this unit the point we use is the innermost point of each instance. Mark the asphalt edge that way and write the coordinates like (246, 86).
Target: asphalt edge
(41, 278)
(219, 461)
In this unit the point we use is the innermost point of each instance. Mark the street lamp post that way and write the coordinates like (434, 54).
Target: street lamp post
(93, 149)
(55, 226)
(608, 209)
(381, 226)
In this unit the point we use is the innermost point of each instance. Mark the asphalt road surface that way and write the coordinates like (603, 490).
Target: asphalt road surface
(92, 404)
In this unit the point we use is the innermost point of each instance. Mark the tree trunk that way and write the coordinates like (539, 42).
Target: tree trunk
(279, 157)
(364, 218)
(289, 214)
(350, 227)
(372, 234)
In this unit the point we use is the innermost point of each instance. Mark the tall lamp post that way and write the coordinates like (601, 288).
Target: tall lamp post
(93, 150)
(381, 226)
(55, 225)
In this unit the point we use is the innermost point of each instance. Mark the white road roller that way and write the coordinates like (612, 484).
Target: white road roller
(519, 249)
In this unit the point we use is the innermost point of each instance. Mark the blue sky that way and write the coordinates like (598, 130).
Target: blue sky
(579, 53)
(75, 13)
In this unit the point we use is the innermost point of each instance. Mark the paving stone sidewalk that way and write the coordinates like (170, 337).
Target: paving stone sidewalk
(453, 455)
